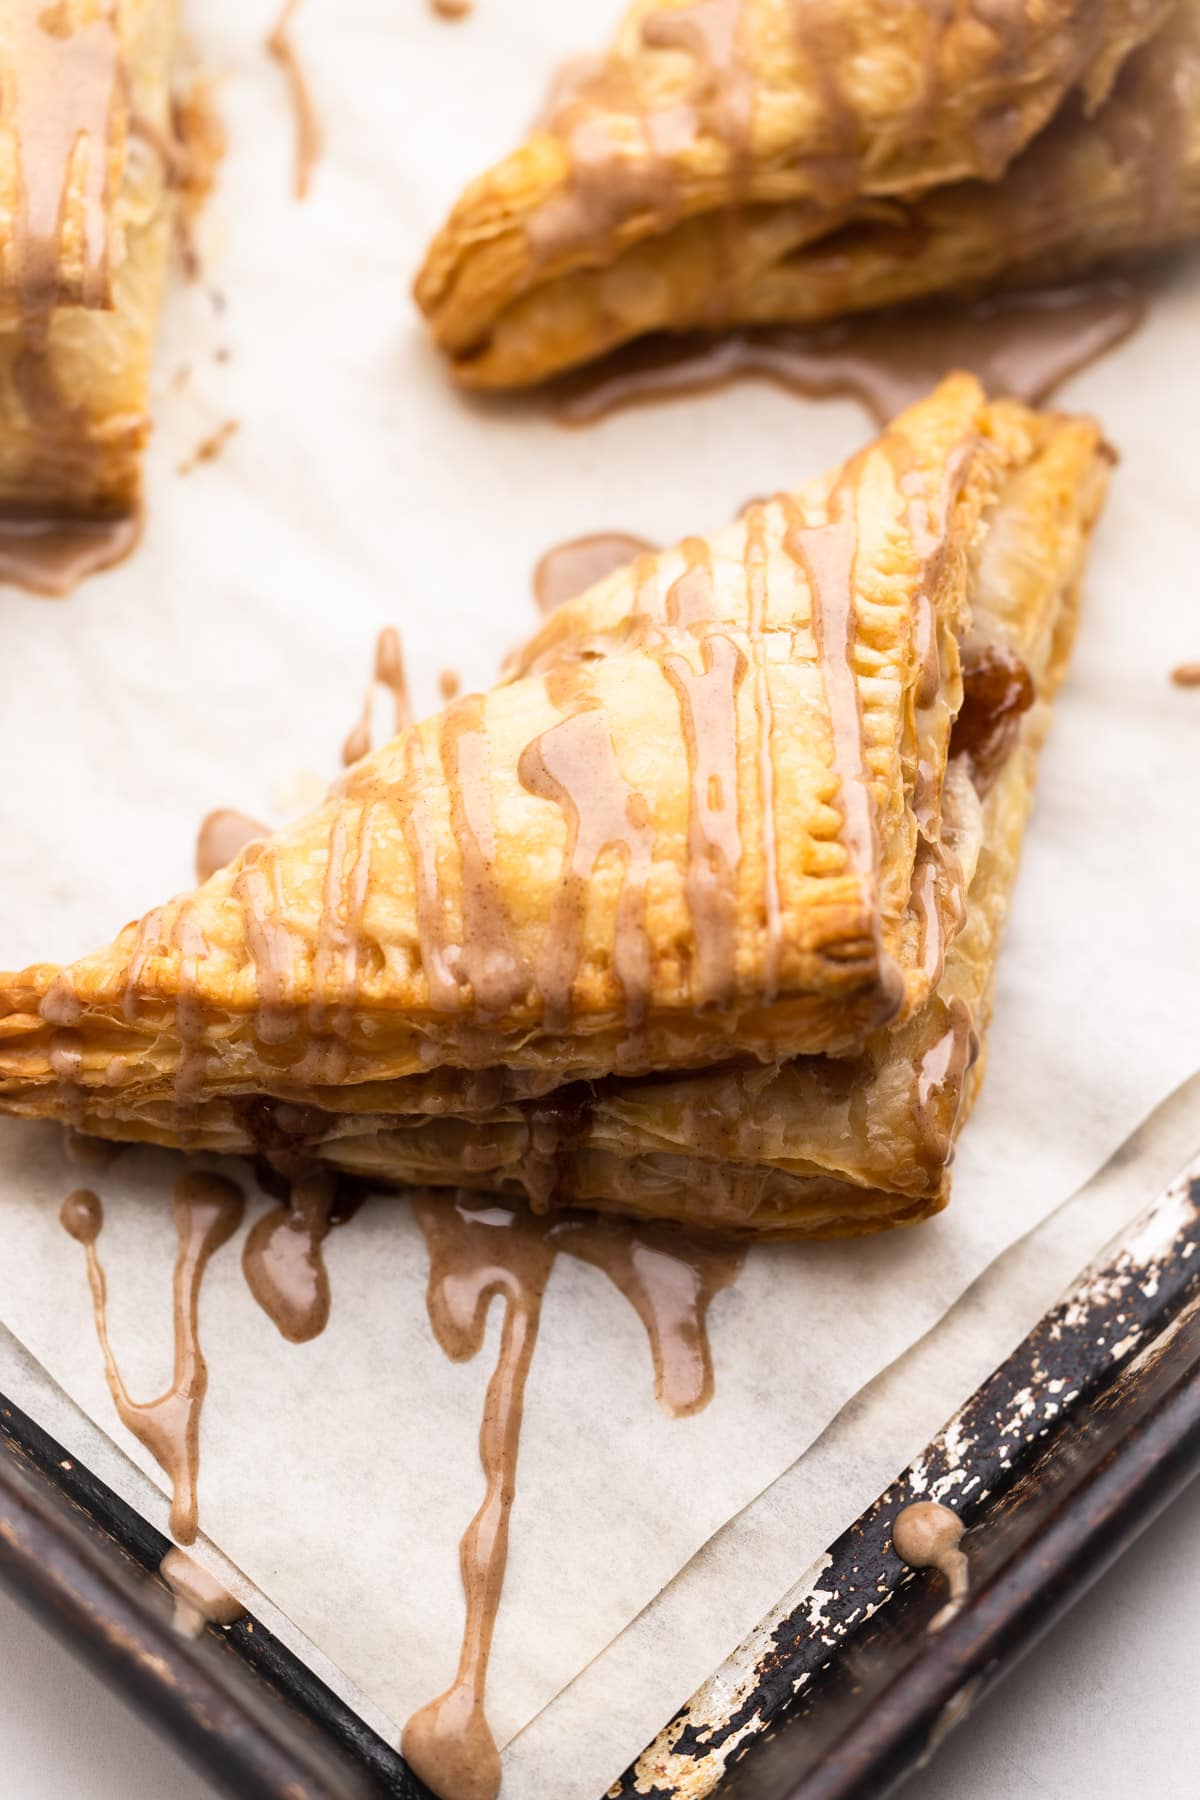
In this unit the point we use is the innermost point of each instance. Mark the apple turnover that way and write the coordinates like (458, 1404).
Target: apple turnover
(87, 166)
(768, 162)
(693, 915)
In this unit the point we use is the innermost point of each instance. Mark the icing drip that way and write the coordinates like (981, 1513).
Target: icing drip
(670, 1280)
(472, 1258)
(756, 588)
(574, 766)
(207, 1210)
(388, 673)
(826, 553)
(308, 140)
(708, 709)
(722, 89)
(69, 73)
(488, 958)
(478, 1251)
(200, 1599)
(256, 889)
(338, 955)
(283, 1257)
(223, 835)
(436, 939)
(939, 1088)
(569, 569)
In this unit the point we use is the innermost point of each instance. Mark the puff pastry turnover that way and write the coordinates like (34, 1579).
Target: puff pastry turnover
(694, 914)
(85, 233)
(741, 162)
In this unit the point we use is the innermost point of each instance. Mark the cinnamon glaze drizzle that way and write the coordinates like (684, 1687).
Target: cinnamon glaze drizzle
(476, 1252)
(574, 765)
(69, 72)
(608, 184)
(487, 955)
(223, 835)
(207, 1210)
(826, 553)
(708, 710)
(570, 569)
(387, 672)
(307, 125)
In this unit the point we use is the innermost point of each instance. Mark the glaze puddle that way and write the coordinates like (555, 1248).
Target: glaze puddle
(51, 557)
(1022, 344)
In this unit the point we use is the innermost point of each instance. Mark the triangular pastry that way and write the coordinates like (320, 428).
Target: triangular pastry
(734, 162)
(710, 818)
(87, 165)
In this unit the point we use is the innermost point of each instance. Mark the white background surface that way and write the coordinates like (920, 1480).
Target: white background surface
(1105, 1706)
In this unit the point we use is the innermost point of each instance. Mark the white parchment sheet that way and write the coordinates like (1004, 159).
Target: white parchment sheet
(224, 665)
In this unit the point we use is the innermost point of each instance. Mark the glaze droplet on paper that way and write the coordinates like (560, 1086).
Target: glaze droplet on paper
(927, 1535)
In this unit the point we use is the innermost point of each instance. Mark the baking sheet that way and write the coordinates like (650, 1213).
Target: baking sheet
(224, 665)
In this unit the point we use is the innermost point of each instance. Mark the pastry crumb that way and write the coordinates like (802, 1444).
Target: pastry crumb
(1186, 675)
(210, 447)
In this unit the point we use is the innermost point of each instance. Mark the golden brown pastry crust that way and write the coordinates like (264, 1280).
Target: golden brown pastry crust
(387, 983)
(85, 234)
(724, 163)
(688, 831)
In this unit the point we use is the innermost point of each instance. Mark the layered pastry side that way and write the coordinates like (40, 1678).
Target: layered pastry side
(694, 915)
(89, 163)
(755, 163)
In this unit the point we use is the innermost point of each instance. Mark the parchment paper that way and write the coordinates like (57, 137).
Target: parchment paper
(224, 665)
